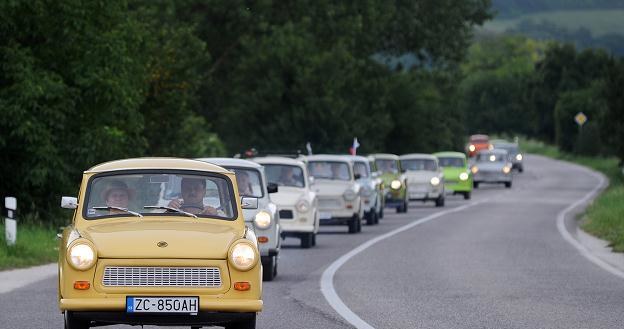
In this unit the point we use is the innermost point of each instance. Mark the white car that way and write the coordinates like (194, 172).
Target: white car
(338, 193)
(296, 202)
(425, 180)
(259, 212)
(371, 190)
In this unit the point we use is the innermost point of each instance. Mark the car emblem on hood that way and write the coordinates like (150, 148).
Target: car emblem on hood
(162, 244)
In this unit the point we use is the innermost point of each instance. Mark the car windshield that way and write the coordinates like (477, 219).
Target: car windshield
(419, 164)
(511, 149)
(451, 162)
(491, 157)
(151, 193)
(329, 170)
(284, 175)
(249, 182)
(387, 166)
(361, 169)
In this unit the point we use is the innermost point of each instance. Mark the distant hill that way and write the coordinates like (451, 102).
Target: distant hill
(515, 8)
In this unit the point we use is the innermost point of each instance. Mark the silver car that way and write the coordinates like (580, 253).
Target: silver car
(262, 218)
(492, 167)
(515, 156)
(371, 190)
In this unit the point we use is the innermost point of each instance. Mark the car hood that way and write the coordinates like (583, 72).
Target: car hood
(331, 187)
(287, 196)
(184, 239)
(420, 176)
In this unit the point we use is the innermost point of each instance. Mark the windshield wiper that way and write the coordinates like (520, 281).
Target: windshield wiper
(120, 209)
(171, 209)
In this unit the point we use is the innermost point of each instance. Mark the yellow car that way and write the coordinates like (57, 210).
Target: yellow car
(159, 241)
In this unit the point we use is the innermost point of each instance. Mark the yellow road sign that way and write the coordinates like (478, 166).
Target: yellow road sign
(580, 118)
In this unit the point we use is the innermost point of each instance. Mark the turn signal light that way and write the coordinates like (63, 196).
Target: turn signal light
(263, 239)
(82, 285)
(242, 286)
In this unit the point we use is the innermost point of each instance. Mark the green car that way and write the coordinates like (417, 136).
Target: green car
(394, 182)
(457, 176)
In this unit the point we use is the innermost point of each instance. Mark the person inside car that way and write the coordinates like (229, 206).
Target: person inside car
(193, 191)
(116, 194)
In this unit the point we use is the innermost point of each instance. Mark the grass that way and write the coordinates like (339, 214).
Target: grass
(599, 22)
(604, 218)
(36, 245)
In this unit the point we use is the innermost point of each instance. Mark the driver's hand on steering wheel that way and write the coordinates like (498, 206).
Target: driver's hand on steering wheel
(175, 203)
(208, 210)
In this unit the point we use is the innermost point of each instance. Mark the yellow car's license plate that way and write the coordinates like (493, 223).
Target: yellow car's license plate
(146, 304)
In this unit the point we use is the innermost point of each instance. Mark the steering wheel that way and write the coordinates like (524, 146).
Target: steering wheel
(187, 207)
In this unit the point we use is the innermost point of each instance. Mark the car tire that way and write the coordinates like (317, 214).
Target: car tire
(507, 184)
(306, 240)
(405, 206)
(467, 195)
(72, 323)
(359, 224)
(268, 268)
(475, 184)
(376, 218)
(439, 201)
(381, 213)
(313, 239)
(370, 218)
(353, 224)
(247, 324)
(520, 169)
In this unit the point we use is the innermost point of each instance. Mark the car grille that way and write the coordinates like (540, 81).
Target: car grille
(285, 214)
(134, 276)
(451, 181)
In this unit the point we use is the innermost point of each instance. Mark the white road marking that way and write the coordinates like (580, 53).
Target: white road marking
(327, 279)
(575, 243)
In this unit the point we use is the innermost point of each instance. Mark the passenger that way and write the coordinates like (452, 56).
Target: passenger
(193, 191)
(244, 184)
(117, 194)
(338, 171)
(287, 177)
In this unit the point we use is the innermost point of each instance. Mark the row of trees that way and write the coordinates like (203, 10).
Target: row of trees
(86, 82)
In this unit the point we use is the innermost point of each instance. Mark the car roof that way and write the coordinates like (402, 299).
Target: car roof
(505, 144)
(386, 156)
(359, 158)
(156, 163)
(417, 156)
(450, 154)
(278, 160)
(231, 162)
(494, 151)
(329, 157)
(479, 137)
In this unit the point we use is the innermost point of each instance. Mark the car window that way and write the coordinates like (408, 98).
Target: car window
(284, 175)
(451, 162)
(249, 182)
(387, 166)
(329, 170)
(361, 169)
(419, 164)
(158, 188)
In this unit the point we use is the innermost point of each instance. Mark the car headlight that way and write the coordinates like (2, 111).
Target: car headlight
(349, 195)
(435, 181)
(463, 176)
(243, 256)
(519, 157)
(303, 206)
(81, 256)
(474, 169)
(396, 184)
(506, 169)
(472, 148)
(262, 219)
(490, 147)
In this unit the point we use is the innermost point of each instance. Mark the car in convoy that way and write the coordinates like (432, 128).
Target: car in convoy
(337, 190)
(477, 143)
(371, 190)
(261, 214)
(492, 166)
(158, 241)
(296, 202)
(394, 182)
(457, 174)
(515, 156)
(425, 180)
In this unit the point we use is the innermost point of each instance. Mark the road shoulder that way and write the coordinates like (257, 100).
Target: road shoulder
(15, 279)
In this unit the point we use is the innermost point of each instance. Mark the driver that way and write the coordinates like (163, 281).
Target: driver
(193, 191)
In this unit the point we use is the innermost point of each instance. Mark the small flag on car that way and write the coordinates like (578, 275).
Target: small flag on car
(353, 148)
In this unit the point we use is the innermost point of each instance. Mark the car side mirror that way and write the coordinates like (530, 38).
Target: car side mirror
(69, 202)
(357, 176)
(272, 188)
(375, 174)
(249, 203)
(311, 180)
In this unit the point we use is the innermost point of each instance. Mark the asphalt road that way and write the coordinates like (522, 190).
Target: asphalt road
(499, 263)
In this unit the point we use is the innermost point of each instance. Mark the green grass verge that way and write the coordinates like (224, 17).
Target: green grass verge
(36, 244)
(604, 218)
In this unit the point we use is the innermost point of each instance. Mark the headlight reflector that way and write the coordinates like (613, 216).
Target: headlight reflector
(463, 176)
(396, 184)
(262, 219)
(243, 256)
(435, 181)
(81, 256)
(519, 157)
(303, 206)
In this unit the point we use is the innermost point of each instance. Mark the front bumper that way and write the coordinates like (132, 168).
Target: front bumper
(458, 185)
(335, 210)
(202, 318)
(424, 191)
(492, 177)
(292, 220)
(119, 304)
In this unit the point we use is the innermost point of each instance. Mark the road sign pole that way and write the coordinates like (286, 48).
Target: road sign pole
(10, 224)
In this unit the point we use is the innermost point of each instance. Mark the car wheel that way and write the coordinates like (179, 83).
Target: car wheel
(72, 323)
(405, 206)
(359, 224)
(376, 218)
(381, 213)
(475, 184)
(439, 201)
(520, 169)
(268, 268)
(313, 239)
(508, 184)
(370, 218)
(247, 324)
(353, 225)
(467, 195)
(306, 240)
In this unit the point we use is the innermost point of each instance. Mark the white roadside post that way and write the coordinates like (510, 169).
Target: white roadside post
(10, 224)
